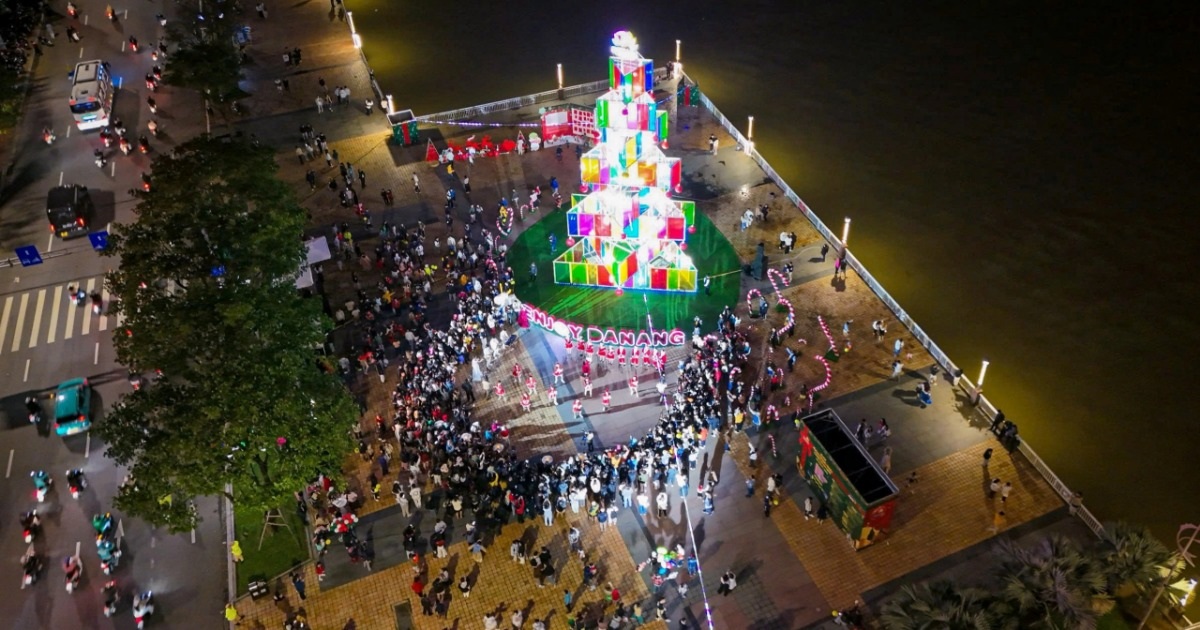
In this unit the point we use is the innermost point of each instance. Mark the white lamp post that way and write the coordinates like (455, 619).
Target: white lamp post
(846, 233)
(750, 136)
(560, 77)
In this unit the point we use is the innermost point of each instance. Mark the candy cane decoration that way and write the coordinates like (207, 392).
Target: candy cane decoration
(828, 378)
(776, 278)
(504, 222)
(771, 441)
(750, 299)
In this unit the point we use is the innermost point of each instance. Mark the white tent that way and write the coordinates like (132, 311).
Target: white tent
(316, 251)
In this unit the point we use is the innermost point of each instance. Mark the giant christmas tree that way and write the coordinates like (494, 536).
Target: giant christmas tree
(626, 231)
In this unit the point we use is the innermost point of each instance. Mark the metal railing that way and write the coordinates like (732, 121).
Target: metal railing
(525, 101)
(926, 342)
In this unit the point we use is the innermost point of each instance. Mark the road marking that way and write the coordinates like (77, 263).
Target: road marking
(68, 135)
(96, 355)
(50, 243)
(87, 315)
(126, 14)
(87, 446)
(61, 173)
(4, 321)
(113, 170)
(120, 82)
(70, 317)
(122, 46)
(85, 19)
(27, 370)
(54, 306)
(8, 471)
(120, 528)
(153, 542)
(104, 310)
(16, 344)
(81, 52)
(37, 318)
(193, 535)
(76, 548)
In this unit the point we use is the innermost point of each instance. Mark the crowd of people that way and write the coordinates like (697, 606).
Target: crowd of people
(435, 453)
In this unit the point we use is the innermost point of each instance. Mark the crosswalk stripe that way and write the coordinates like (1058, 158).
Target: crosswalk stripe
(4, 321)
(104, 311)
(52, 334)
(87, 314)
(70, 331)
(16, 344)
(37, 318)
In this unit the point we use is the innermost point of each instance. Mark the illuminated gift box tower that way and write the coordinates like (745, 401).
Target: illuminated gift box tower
(627, 232)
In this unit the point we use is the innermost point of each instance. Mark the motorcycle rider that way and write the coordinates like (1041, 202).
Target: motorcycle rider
(74, 570)
(102, 523)
(34, 409)
(96, 301)
(31, 564)
(76, 481)
(31, 523)
(111, 597)
(142, 607)
(41, 482)
(110, 555)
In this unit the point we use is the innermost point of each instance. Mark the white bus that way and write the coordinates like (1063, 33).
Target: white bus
(91, 94)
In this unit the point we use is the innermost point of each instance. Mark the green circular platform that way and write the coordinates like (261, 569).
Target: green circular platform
(711, 252)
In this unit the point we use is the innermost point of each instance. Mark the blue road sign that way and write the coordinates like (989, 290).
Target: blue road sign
(29, 255)
(99, 240)
(218, 271)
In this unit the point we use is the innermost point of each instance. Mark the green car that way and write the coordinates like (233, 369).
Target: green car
(72, 407)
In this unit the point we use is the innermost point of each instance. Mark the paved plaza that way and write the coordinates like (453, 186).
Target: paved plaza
(792, 571)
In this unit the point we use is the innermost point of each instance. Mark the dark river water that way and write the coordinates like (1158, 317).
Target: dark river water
(1021, 177)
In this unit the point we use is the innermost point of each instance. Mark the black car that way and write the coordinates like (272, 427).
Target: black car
(70, 210)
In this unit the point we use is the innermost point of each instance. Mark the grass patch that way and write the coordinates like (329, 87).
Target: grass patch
(281, 549)
(709, 249)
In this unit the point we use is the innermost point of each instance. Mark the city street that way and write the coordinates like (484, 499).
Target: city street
(44, 340)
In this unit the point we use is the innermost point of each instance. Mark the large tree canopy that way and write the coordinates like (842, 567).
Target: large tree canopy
(205, 289)
(204, 58)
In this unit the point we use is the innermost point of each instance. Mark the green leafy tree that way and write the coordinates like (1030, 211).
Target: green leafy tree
(206, 294)
(942, 605)
(1131, 559)
(1052, 584)
(204, 58)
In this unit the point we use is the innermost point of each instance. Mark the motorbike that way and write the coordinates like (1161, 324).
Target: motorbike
(143, 144)
(153, 127)
(107, 137)
(110, 554)
(133, 43)
(100, 161)
(145, 182)
(31, 565)
(34, 409)
(143, 606)
(126, 147)
(97, 302)
(41, 484)
(111, 596)
(76, 481)
(31, 524)
(48, 135)
(102, 523)
(71, 10)
(73, 570)
(151, 82)
(135, 380)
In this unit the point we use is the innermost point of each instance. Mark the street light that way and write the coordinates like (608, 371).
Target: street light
(750, 136)
(677, 44)
(846, 232)
(560, 77)
(391, 105)
(978, 396)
